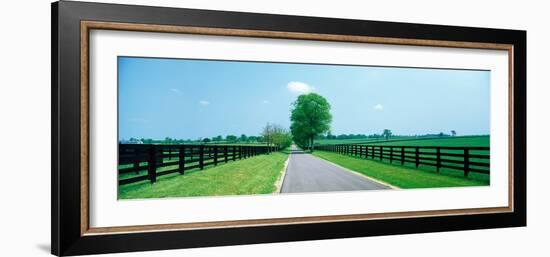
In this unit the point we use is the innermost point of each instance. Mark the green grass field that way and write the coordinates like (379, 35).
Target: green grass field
(413, 141)
(347, 141)
(405, 176)
(446, 141)
(470, 141)
(255, 175)
(357, 140)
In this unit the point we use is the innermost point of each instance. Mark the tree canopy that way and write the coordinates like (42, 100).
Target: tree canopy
(310, 117)
(275, 134)
(387, 133)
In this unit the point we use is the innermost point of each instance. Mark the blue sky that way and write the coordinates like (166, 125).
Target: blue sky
(191, 99)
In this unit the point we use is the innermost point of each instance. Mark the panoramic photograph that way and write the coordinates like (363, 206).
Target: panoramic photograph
(203, 128)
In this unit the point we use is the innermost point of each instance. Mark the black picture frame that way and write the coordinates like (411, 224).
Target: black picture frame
(66, 235)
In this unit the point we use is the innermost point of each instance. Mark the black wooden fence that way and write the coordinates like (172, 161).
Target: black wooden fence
(158, 160)
(465, 159)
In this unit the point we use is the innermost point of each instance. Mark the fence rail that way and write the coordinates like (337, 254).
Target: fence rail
(465, 159)
(159, 160)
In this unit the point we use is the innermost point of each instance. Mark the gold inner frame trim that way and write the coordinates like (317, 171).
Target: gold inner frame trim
(86, 26)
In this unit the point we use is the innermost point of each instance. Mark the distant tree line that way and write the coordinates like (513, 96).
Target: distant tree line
(243, 138)
(272, 134)
(386, 134)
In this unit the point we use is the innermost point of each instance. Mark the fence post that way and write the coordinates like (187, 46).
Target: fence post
(181, 159)
(391, 154)
(216, 155)
(438, 158)
(201, 157)
(380, 150)
(152, 164)
(225, 153)
(372, 152)
(417, 156)
(136, 164)
(355, 150)
(466, 161)
(402, 156)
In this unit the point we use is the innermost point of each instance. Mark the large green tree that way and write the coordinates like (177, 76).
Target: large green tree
(310, 117)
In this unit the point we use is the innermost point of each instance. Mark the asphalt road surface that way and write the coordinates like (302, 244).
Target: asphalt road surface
(307, 173)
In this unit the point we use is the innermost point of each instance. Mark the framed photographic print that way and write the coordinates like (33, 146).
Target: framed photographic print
(178, 128)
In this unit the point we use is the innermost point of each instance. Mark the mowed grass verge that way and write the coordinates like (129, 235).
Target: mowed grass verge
(255, 175)
(403, 176)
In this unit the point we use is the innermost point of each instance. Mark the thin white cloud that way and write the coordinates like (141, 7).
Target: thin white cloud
(204, 103)
(175, 90)
(299, 87)
(265, 102)
(378, 107)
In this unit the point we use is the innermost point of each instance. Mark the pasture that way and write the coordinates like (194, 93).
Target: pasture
(445, 141)
(254, 175)
(396, 161)
(414, 141)
(405, 176)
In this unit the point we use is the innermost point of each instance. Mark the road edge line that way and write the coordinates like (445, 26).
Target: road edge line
(361, 174)
(281, 180)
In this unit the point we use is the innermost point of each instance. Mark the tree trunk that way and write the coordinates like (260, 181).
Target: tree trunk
(311, 145)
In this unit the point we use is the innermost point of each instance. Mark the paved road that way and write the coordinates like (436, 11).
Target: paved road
(307, 173)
